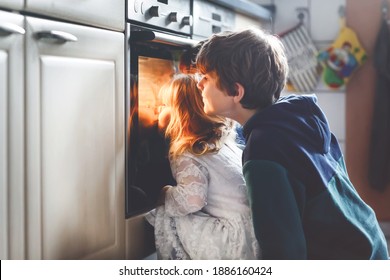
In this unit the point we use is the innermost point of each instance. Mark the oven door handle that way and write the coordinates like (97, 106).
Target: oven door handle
(157, 37)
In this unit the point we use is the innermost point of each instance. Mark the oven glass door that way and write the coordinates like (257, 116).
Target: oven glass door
(151, 66)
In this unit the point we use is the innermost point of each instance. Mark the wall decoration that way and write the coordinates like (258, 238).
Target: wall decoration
(302, 59)
(342, 58)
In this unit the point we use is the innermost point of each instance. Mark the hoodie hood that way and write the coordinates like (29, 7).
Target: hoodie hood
(299, 188)
(294, 134)
(296, 118)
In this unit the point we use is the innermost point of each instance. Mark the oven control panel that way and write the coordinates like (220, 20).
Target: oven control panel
(211, 18)
(173, 15)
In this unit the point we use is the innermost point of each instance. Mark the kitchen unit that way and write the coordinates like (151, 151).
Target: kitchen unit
(74, 147)
(73, 158)
(12, 4)
(221, 15)
(99, 13)
(12, 217)
(62, 136)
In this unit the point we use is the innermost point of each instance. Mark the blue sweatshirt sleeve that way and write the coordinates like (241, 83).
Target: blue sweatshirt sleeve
(276, 210)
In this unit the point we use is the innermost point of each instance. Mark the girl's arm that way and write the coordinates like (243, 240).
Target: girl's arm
(190, 194)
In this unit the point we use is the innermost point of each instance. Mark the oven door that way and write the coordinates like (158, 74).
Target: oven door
(153, 60)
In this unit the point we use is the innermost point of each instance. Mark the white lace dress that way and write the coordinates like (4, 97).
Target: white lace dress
(206, 216)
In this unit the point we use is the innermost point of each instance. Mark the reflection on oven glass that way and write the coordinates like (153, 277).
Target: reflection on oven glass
(155, 73)
(150, 169)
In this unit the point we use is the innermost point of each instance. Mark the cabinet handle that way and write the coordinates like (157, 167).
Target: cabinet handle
(54, 36)
(7, 29)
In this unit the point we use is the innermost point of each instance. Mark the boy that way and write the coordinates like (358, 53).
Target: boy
(303, 203)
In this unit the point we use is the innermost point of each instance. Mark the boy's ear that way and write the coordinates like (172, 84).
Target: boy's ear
(240, 91)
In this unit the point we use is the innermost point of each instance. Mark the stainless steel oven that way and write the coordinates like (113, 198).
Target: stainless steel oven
(158, 32)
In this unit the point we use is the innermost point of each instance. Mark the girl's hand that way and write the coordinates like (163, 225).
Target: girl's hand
(161, 199)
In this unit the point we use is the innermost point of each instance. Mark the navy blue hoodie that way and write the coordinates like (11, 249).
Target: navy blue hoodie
(303, 203)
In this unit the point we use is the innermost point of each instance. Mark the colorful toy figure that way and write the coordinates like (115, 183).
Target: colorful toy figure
(341, 59)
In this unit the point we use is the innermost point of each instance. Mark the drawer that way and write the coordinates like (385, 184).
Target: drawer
(12, 4)
(99, 13)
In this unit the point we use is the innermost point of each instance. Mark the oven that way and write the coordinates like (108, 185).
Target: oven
(158, 32)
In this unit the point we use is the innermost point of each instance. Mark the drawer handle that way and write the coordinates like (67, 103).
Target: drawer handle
(7, 29)
(54, 36)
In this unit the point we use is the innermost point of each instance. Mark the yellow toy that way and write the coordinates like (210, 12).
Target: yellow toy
(342, 58)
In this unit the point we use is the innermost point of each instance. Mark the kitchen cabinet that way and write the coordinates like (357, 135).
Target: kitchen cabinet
(11, 136)
(100, 13)
(74, 141)
(61, 140)
(12, 4)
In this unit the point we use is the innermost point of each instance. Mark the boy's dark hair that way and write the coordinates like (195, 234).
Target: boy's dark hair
(252, 58)
(187, 62)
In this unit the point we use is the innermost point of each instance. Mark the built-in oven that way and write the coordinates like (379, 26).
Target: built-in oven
(158, 33)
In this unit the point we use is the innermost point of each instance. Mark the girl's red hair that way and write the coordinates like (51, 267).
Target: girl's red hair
(189, 128)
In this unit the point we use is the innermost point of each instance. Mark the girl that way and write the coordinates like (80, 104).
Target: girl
(206, 215)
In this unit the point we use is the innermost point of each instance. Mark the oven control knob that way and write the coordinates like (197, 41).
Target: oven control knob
(153, 11)
(187, 20)
(172, 17)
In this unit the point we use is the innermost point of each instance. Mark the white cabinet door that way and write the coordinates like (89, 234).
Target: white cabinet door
(13, 4)
(11, 136)
(75, 141)
(107, 14)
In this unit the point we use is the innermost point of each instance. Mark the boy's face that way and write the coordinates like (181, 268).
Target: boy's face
(216, 101)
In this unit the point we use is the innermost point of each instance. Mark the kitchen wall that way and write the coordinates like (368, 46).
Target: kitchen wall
(287, 17)
(364, 17)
